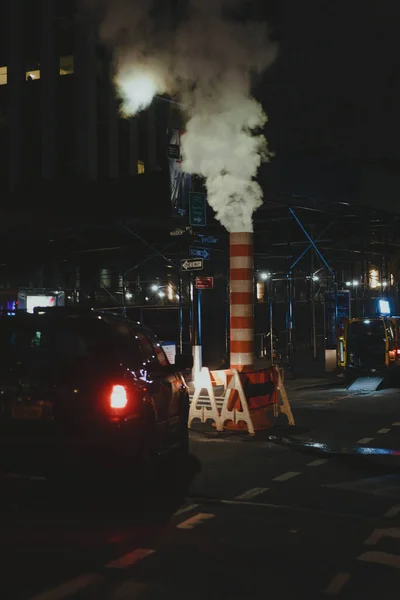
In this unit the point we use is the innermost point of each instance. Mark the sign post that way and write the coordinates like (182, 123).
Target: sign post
(204, 283)
(199, 252)
(197, 209)
(192, 264)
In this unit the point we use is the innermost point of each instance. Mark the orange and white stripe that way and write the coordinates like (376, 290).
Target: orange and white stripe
(241, 301)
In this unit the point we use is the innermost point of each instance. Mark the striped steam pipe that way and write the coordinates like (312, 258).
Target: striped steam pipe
(241, 301)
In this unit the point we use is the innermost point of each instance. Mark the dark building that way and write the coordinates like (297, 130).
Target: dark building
(62, 140)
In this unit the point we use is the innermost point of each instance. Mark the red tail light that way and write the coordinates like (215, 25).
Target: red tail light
(118, 397)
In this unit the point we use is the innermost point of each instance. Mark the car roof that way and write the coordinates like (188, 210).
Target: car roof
(73, 312)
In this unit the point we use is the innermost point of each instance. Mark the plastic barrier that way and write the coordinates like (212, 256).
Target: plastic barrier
(249, 398)
(204, 413)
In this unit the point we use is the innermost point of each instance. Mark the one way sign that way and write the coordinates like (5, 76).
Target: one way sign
(203, 253)
(190, 264)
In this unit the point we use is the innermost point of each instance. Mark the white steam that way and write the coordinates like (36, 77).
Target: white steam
(205, 57)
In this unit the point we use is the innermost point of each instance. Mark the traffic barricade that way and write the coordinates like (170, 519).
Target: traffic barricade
(253, 399)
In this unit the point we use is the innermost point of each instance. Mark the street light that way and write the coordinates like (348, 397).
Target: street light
(264, 276)
(154, 287)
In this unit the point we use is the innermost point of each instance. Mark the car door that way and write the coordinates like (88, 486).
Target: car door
(171, 384)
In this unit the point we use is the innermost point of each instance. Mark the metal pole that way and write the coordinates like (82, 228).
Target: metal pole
(314, 333)
(199, 330)
(123, 296)
(180, 314)
(191, 329)
(271, 328)
(290, 319)
(227, 319)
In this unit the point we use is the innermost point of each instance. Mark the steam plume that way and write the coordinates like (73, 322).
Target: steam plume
(205, 57)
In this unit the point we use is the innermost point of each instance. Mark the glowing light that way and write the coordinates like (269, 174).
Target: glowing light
(118, 398)
(315, 278)
(355, 283)
(137, 85)
(154, 287)
(161, 294)
(128, 296)
(264, 276)
(384, 307)
(373, 275)
(348, 283)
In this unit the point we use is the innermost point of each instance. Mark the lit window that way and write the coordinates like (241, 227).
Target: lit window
(66, 65)
(3, 75)
(374, 279)
(140, 167)
(31, 75)
(260, 291)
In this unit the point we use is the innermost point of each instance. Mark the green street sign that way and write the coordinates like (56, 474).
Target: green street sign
(197, 209)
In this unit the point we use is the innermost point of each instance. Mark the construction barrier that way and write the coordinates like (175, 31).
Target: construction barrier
(202, 383)
(250, 400)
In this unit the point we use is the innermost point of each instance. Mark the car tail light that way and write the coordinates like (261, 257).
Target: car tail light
(118, 397)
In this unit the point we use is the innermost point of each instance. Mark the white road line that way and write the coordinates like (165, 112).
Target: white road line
(396, 424)
(381, 558)
(129, 559)
(393, 532)
(69, 587)
(393, 512)
(251, 493)
(384, 430)
(364, 440)
(318, 462)
(195, 520)
(336, 584)
(185, 509)
(286, 476)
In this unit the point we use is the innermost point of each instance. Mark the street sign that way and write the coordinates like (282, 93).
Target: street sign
(191, 264)
(205, 239)
(203, 253)
(204, 283)
(197, 209)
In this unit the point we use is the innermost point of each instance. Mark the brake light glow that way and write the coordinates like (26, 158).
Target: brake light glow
(118, 397)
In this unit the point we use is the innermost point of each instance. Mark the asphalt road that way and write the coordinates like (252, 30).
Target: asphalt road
(241, 518)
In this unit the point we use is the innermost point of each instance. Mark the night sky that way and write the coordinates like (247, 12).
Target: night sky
(336, 83)
(333, 98)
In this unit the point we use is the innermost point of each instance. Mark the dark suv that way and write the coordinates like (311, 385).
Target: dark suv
(87, 391)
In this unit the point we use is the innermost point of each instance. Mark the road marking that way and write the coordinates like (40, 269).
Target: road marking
(396, 424)
(129, 559)
(384, 430)
(381, 558)
(393, 512)
(364, 440)
(318, 462)
(195, 520)
(286, 476)
(336, 584)
(251, 493)
(185, 509)
(393, 532)
(301, 509)
(69, 587)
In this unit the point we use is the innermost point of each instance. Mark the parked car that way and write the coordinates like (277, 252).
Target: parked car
(83, 391)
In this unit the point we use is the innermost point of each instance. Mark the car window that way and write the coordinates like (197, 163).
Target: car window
(42, 343)
(128, 348)
(152, 351)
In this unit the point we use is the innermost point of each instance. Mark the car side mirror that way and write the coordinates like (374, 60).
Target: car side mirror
(183, 362)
